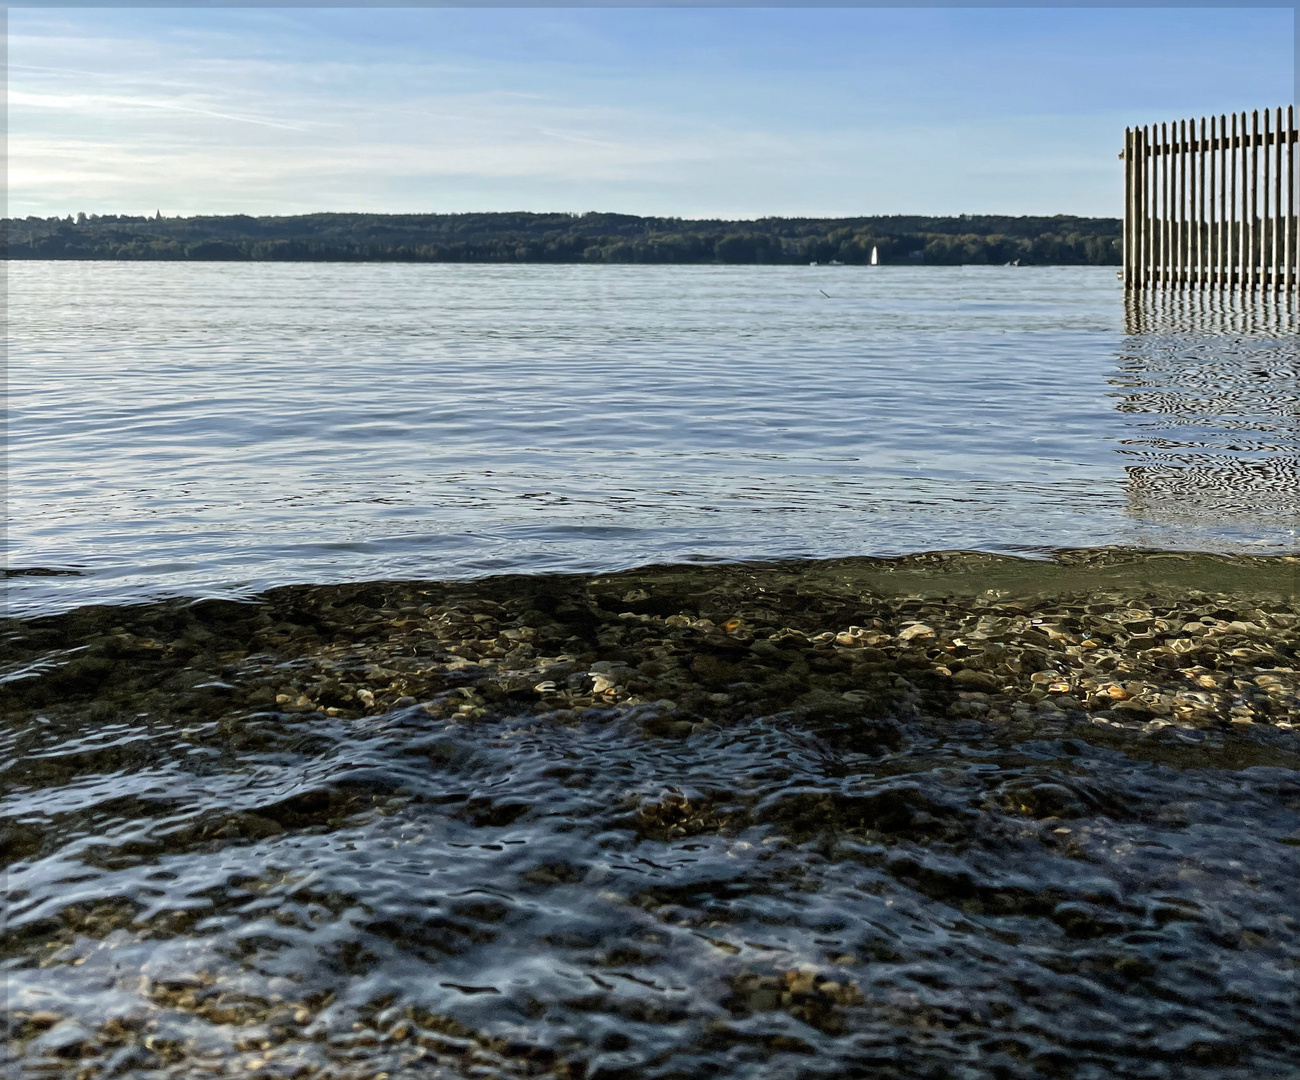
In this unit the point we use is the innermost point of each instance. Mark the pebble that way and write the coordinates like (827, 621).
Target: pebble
(743, 640)
(855, 651)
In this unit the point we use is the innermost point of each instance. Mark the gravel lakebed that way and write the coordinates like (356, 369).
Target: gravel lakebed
(950, 815)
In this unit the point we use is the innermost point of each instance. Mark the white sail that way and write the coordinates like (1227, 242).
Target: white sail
(875, 257)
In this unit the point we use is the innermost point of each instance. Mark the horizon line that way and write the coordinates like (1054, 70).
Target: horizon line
(159, 216)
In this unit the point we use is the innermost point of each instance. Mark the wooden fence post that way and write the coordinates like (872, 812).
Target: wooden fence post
(1152, 139)
(1183, 262)
(1266, 212)
(1166, 234)
(1292, 256)
(1275, 241)
(1252, 248)
(1202, 240)
(1243, 276)
(1222, 159)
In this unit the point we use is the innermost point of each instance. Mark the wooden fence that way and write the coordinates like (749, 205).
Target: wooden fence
(1211, 204)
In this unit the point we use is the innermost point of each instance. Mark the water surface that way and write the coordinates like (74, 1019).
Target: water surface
(759, 826)
(1017, 820)
(218, 428)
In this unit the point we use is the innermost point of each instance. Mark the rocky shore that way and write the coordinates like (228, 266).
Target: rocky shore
(875, 817)
(1115, 640)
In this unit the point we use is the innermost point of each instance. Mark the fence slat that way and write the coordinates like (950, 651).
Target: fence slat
(1232, 207)
(1265, 211)
(1130, 218)
(1183, 237)
(1220, 234)
(1275, 246)
(1252, 221)
(1292, 256)
(1202, 241)
(1166, 211)
(1243, 228)
(1149, 207)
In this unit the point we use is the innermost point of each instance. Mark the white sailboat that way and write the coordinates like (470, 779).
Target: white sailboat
(875, 256)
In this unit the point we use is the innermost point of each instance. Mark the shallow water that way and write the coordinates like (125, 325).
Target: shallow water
(581, 895)
(825, 858)
(1055, 834)
(212, 428)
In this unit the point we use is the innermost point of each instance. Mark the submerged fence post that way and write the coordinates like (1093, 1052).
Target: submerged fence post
(1216, 213)
(1184, 233)
(1289, 246)
(1275, 245)
(1265, 200)
(1202, 224)
(1233, 243)
(1148, 208)
(1129, 217)
(1252, 241)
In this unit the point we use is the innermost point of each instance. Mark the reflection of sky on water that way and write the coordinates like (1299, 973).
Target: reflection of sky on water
(1210, 388)
(227, 427)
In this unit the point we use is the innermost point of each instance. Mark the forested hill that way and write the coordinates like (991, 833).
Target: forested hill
(569, 238)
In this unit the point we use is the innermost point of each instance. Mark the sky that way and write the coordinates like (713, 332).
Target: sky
(734, 112)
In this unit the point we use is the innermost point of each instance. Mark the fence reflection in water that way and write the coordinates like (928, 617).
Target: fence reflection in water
(1210, 385)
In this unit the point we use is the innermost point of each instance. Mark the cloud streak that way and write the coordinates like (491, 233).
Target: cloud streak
(91, 106)
(227, 111)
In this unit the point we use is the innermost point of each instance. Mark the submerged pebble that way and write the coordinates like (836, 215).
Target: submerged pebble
(952, 815)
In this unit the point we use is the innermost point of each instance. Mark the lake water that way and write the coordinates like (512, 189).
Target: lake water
(221, 428)
(953, 816)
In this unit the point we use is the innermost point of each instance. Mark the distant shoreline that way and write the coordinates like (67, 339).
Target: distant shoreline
(570, 238)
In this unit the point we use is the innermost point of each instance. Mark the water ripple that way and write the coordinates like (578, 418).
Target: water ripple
(225, 428)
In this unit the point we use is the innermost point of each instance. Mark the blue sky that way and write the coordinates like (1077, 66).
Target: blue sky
(692, 112)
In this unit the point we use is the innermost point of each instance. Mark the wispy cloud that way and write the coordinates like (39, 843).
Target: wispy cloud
(680, 112)
(93, 105)
(177, 133)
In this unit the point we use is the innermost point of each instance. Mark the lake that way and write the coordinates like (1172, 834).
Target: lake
(811, 798)
(216, 429)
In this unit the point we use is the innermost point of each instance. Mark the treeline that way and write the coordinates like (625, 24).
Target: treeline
(570, 238)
